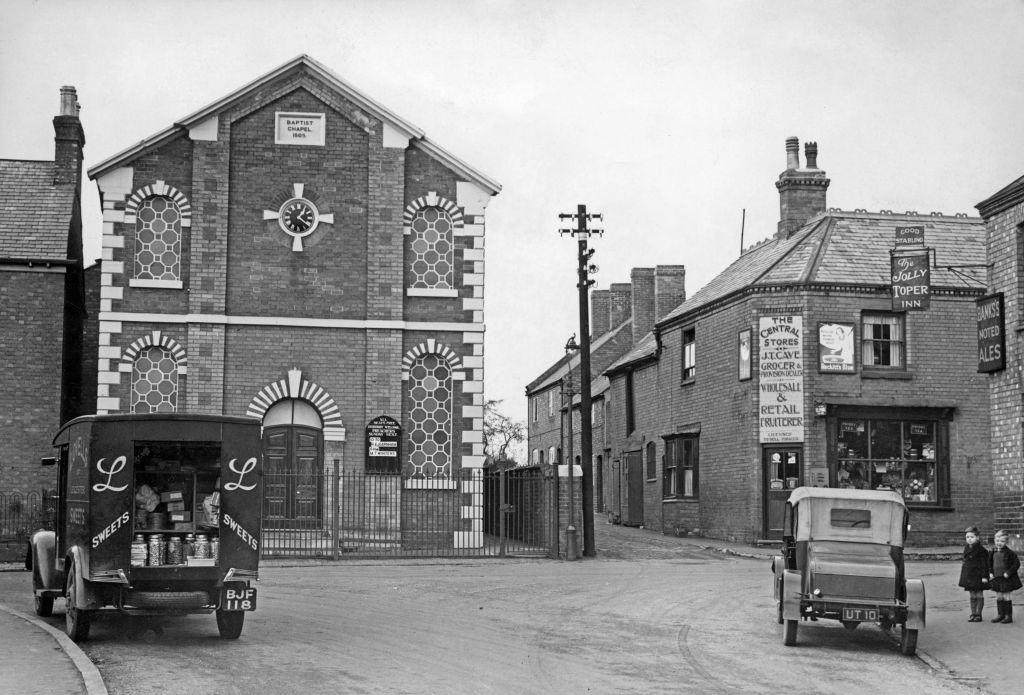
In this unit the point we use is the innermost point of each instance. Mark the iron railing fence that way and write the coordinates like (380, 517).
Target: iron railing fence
(352, 514)
(21, 515)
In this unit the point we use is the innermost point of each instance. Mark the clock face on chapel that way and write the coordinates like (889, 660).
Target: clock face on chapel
(298, 216)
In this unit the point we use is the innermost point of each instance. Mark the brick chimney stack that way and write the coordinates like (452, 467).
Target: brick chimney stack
(669, 289)
(642, 302)
(801, 190)
(69, 138)
(600, 312)
(621, 303)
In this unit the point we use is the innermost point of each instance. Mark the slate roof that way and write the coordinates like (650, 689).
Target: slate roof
(416, 136)
(841, 248)
(35, 215)
(553, 374)
(848, 248)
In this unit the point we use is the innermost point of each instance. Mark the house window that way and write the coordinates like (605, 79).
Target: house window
(551, 403)
(681, 464)
(883, 342)
(430, 431)
(536, 407)
(899, 455)
(432, 249)
(630, 413)
(689, 354)
(158, 240)
(652, 464)
(154, 381)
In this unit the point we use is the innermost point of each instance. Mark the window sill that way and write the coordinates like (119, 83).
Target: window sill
(927, 507)
(158, 284)
(431, 292)
(689, 382)
(901, 374)
(673, 500)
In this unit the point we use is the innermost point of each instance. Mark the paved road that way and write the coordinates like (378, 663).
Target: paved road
(678, 620)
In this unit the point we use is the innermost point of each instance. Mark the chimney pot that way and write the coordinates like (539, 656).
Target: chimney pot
(68, 101)
(792, 152)
(811, 153)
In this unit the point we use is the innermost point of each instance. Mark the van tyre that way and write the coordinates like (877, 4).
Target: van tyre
(229, 623)
(789, 632)
(44, 606)
(76, 620)
(908, 641)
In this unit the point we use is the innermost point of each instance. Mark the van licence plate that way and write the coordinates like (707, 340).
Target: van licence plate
(860, 614)
(239, 600)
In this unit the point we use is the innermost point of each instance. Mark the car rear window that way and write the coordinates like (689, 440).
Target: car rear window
(851, 518)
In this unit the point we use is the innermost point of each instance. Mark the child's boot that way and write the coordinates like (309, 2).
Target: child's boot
(1008, 611)
(999, 607)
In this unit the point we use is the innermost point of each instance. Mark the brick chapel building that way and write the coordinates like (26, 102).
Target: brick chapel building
(298, 253)
(42, 314)
(796, 366)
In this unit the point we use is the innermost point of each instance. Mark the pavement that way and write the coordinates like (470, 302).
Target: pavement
(40, 659)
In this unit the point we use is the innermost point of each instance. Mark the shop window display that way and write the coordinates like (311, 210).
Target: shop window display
(896, 455)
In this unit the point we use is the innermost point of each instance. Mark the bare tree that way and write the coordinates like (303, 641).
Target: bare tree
(500, 431)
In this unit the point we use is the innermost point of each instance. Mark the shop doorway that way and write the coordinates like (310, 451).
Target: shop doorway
(634, 489)
(783, 471)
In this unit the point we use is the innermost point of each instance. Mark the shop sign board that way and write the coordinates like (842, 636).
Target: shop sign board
(991, 333)
(780, 379)
(910, 236)
(383, 437)
(911, 281)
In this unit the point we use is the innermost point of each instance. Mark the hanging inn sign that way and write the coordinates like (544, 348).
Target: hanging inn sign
(991, 334)
(910, 270)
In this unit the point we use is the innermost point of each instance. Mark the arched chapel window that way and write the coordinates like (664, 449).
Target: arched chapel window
(158, 239)
(430, 431)
(154, 381)
(432, 249)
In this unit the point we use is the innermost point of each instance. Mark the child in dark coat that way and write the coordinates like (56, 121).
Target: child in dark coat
(1002, 566)
(974, 572)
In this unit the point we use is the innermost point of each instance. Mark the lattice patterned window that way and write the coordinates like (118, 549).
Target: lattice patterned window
(432, 249)
(430, 434)
(158, 240)
(154, 381)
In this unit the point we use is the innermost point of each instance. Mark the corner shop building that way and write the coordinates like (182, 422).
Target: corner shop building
(296, 252)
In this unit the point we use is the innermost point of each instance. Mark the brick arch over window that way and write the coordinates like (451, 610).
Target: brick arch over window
(158, 339)
(433, 347)
(158, 188)
(296, 386)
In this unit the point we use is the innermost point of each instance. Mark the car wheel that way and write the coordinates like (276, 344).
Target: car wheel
(229, 623)
(44, 606)
(76, 620)
(789, 633)
(908, 641)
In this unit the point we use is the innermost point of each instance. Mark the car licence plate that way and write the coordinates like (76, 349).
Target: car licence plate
(239, 600)
(860, 614)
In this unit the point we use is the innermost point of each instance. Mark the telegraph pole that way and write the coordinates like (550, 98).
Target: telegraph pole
(582, 233)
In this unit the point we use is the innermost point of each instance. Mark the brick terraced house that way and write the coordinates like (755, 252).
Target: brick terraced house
(999, 327)
(797, 366)
(296, 252)
(42, 312)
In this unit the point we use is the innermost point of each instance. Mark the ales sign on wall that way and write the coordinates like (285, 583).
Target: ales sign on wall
(991, 334)
(781, 379)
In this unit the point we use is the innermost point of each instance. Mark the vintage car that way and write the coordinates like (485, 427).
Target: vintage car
(156, 514)
(842, 559)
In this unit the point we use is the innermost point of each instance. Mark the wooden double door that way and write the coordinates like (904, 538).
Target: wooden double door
(293, 477)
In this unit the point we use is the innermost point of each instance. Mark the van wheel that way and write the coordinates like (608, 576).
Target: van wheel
(44, 606)
(789, 633)
(229, 623)
(76, 620)
(908, 641)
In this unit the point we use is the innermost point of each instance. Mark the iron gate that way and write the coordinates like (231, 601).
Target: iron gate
(476, 513)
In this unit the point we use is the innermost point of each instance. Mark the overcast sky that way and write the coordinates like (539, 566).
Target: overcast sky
(670, 117)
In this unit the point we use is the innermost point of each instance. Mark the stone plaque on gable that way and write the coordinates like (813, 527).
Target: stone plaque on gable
(299, 128)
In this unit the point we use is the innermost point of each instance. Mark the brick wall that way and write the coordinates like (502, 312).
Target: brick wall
(30, 350)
